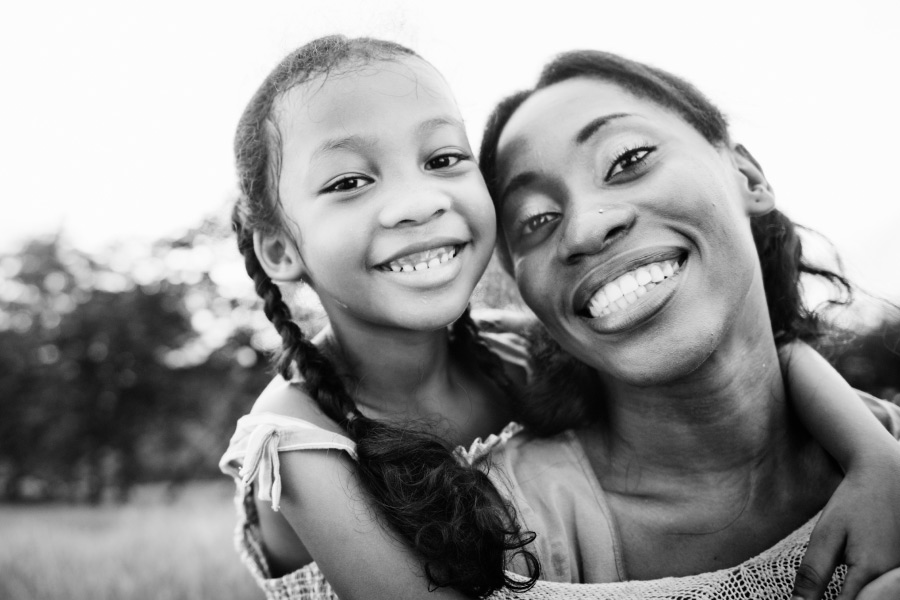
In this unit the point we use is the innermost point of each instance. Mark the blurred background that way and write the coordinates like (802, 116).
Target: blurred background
(130, 337)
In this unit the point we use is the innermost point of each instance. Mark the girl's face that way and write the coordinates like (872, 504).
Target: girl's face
(379, 189)
(628, 232)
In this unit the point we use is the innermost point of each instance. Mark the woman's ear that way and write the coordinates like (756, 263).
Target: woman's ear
(759, 197)
(279, 256)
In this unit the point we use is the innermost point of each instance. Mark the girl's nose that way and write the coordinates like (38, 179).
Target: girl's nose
(591, 229)
(414, 206)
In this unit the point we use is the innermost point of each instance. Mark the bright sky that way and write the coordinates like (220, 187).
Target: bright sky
(118, 117)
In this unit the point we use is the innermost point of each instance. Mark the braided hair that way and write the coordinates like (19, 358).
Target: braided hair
(778, 243)
(447, 512)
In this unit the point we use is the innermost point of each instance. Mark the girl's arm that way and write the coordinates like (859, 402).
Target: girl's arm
(325, 506)
(860, 525)
(336, 522)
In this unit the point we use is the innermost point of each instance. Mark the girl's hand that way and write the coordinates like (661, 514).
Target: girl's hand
(860, 526)
(886, 587)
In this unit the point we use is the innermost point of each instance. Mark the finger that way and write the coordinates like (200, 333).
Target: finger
(826, 546)
(886, 587)
(856, 578)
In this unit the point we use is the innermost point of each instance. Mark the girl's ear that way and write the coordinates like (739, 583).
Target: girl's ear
(759, 197)
(279, 256)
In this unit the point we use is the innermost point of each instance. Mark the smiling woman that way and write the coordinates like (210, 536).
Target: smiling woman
(648, 245)
(358, 181)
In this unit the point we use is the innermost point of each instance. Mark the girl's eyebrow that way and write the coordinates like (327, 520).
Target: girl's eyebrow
(361, 144)
(436, 123)
(352, 143)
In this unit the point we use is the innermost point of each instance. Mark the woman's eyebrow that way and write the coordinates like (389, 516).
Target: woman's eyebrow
(589, 130)
(520, 180)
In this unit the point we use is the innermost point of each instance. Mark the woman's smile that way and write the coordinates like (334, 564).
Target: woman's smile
(622, 300)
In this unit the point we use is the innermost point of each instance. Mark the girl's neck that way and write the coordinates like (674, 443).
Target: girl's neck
(391, 371)
(402, 375)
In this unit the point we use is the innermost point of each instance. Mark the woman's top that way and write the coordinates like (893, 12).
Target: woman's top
(554, 491)
(557, 495)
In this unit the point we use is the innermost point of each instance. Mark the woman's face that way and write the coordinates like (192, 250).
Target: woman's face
(628, 232)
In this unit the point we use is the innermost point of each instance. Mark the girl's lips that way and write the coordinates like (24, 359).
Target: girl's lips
(406, 254)
(422, 261)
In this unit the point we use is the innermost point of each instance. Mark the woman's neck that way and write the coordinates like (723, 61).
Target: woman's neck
(725, 413)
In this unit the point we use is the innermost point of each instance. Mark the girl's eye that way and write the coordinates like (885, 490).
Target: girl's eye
(629, 160)
(444, 161)
(346, 184)
(532, 224)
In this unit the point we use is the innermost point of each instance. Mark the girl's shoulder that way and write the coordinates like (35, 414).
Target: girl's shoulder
(283, 419)
(289, 399)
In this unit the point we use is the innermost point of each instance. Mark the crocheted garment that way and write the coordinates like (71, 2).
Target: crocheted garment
(767, 576)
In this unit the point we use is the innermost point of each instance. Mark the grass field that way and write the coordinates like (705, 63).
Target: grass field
(154, 548)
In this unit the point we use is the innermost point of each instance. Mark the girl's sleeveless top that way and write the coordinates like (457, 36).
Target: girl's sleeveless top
(252, 461)
(555, 493)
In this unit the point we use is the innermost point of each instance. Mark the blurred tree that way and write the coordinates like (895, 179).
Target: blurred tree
(133, 365)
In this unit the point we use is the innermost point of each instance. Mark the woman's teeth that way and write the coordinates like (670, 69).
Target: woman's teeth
(422, 261)
(625, 290)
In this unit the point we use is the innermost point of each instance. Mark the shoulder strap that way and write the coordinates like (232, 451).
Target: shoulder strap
(258, 440)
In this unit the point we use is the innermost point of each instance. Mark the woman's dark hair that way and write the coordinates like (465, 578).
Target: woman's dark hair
(777, 241)
(448, 512)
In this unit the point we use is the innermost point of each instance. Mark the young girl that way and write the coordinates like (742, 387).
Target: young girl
(358, 180)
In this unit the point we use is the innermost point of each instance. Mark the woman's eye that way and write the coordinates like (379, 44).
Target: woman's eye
(444, 161)
(628, 160)
(347, 184)
(532, 224)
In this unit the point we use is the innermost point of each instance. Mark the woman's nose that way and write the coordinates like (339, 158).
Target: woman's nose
(413, 205)
(591, 229)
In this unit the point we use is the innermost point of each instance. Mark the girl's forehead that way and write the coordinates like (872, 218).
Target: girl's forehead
(398, 77)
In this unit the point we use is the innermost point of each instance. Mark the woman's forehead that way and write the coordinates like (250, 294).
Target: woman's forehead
(565, 114)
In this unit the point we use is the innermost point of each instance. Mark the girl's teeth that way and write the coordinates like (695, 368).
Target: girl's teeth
(435, 261)
(626, 290)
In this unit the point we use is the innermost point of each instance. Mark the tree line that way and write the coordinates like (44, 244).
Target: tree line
(122, 369)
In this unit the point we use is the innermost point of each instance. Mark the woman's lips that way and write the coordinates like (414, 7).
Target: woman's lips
(626, 289)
